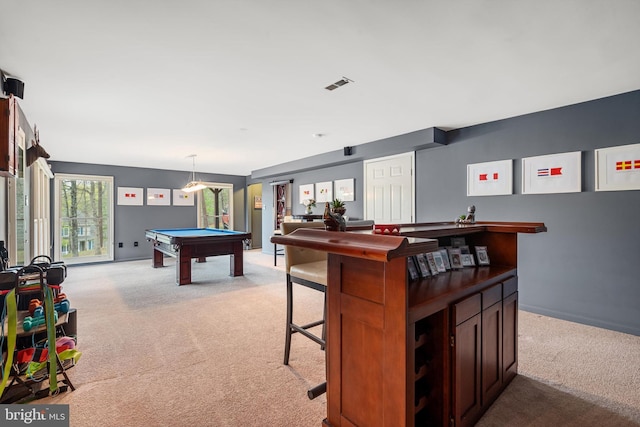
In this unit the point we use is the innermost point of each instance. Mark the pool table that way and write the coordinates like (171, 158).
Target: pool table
(187, 243)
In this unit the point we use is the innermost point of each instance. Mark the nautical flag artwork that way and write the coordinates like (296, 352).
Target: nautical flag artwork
(618, 168)
(627, 165)
(182, 198)
(553, 173)
(490, 178)
(158, 197)
(130, 196)
(550, 172)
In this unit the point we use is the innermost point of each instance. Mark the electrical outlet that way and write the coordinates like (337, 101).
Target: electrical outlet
(120, 244)
(135, 244)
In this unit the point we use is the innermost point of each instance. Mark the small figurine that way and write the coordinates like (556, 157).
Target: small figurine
(471, 215)
(469, 218)
(333, 221)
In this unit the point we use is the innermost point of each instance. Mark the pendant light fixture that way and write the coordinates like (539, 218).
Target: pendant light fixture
(193, 185)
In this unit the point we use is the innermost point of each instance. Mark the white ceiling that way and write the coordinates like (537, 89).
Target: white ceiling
(241, 83)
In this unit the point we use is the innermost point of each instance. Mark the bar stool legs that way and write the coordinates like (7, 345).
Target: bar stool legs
(302, 329)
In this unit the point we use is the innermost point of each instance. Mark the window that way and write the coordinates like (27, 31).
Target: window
(84, 218)
(215, 206)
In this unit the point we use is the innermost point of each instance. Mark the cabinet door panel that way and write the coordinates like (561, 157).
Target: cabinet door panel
(491, 352)
(467, 403)
(510, 337)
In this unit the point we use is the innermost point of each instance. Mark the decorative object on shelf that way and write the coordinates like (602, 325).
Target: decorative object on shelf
(309, 204)
(458, 241)
(469, 218)
(423, 265)
(432, 263)
(482, 255)
(386, 229)
(437, 257)
(455, 258)
(445, 258)
(333, 221)
(337, 206)
(412, 268)
(467, 260)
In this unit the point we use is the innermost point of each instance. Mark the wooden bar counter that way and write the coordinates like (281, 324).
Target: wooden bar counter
(432, 351)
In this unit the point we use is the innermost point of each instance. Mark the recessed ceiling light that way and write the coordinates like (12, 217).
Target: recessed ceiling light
(343, 81)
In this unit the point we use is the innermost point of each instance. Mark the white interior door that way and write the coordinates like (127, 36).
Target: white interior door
(389, 189)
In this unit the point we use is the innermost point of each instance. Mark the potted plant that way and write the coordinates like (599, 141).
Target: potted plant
(308, 204)
(337, 206)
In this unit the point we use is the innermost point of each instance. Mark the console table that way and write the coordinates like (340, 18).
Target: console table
(431, 351)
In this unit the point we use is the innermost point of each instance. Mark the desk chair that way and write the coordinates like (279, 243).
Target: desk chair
(306, 267)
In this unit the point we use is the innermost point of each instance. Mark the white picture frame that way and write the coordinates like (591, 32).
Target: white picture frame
(158, 197)
(618, 168)
(344, 189)
(306, 193)
(490, 178)
(130, 196)
(182, 198)
(552, 173)
(324, 191)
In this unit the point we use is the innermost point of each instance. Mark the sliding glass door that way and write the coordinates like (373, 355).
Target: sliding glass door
(84, 218)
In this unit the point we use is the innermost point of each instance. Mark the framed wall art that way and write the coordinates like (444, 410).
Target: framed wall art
(345, 190)
(553, 173)
(181, 198)
(618, 168)
(490, 178)
(306, 193)
(130, 196)
(158, 197)
(324, 192)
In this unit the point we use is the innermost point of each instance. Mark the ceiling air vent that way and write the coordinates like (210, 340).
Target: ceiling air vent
(343, 81)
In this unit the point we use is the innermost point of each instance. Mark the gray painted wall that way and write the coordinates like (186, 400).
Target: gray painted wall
(130, 222)
(583, 269)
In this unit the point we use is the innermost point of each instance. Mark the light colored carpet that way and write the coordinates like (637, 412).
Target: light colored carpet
(210, 354)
